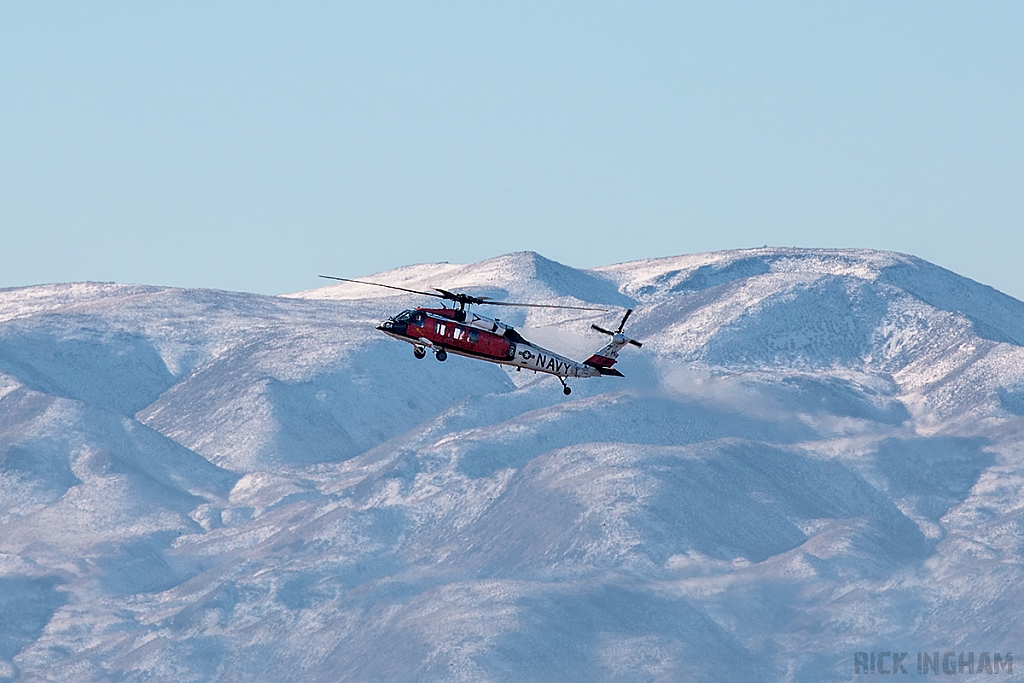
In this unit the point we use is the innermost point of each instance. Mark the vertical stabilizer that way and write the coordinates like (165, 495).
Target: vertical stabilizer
(605, 358)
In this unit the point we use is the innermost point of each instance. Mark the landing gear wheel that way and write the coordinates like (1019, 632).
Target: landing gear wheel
(441, 355)
(566, 390)
(419, 352)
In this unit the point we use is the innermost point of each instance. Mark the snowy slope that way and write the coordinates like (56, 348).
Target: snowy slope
(816, 452)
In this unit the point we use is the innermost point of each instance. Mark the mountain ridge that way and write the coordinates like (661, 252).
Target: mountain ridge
(813, 449)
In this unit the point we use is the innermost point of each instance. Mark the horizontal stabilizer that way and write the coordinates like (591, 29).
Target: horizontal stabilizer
(610, 371)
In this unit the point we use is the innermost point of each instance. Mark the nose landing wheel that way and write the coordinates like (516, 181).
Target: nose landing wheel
(419, 352)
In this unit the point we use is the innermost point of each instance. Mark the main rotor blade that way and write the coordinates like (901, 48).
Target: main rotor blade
(458, 297)
(377, 284)
(510, 303)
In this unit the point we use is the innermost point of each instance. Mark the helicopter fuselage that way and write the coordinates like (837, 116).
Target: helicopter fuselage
(465, 333)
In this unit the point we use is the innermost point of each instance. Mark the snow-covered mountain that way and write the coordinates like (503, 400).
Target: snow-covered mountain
(815, 453)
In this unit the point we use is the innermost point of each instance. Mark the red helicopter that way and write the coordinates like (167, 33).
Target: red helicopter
(463, 332)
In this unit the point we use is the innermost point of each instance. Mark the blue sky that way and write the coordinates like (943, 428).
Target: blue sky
(252, 146)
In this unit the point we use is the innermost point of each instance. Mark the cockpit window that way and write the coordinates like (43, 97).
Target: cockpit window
(403, 317)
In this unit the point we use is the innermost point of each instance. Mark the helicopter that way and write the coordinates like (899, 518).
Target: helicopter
(462, 331)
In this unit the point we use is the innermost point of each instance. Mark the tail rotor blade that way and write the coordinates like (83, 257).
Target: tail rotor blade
(634, 342)
(602, 330)
(622, 324)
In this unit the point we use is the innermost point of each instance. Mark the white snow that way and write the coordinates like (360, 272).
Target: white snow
(816, 452)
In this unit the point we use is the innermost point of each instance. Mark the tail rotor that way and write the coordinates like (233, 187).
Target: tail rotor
(617, 335)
